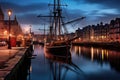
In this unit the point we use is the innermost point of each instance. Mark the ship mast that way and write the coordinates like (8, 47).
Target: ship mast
(55, 18)
(58, 16)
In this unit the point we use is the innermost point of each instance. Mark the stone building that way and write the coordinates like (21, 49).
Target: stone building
(114, 31)
(15, 30)
(101, 32)
(88, 33)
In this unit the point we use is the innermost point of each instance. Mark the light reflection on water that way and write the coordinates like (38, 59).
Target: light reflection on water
(85, 63)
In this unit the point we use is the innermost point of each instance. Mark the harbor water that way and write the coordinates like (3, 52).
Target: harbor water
(85, 63)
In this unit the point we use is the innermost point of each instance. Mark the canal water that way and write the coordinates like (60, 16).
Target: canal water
(85, 63)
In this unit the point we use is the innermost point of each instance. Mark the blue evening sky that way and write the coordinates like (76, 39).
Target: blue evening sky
(95, 11)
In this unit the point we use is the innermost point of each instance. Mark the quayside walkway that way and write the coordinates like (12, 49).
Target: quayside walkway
(10, 59)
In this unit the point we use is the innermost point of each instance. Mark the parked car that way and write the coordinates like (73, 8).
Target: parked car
(3, 43)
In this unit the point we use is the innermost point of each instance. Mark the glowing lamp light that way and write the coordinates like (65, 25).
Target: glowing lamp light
(9, 12)
(5, 32)
(10, 34)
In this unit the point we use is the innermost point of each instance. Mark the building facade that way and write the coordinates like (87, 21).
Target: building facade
(15, 30)
(114, 30)
(101, 32)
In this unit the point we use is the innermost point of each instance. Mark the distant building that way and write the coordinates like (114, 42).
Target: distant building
(100, 32)
(16, 30)
(78, 32)
(114, 30)
(87, 32)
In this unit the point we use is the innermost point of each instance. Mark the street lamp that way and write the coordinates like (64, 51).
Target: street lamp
(9, 14)
(30, 29)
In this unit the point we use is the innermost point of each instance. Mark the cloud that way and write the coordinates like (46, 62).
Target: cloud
(24, 8)
(94, 10)
(106, 3)
(28, 19)
(105, 6)
(105, 10)
(72, 13)
(26, 14)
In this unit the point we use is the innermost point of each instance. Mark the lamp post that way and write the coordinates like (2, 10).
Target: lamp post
(30, 29)
(9, 14)
(30, 33)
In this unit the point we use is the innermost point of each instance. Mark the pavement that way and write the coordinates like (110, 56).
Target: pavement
(9, 58)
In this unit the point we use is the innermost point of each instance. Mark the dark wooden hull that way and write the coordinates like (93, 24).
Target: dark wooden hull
(66, 58)
(57, 50)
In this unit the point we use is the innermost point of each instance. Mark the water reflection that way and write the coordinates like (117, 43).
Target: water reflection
(82, 63)
(60, 65)
(99, 55)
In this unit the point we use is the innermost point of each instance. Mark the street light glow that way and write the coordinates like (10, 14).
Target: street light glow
(5, 32)
(9, 12)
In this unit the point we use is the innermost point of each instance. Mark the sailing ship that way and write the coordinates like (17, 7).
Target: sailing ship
(56, 41)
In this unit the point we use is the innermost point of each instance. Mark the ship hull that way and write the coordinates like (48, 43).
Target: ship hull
(61, 50)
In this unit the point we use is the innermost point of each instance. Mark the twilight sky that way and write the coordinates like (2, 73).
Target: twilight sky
(94, 10)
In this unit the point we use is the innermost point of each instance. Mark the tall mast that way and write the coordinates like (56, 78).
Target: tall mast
(59, 18)
(54, 20)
